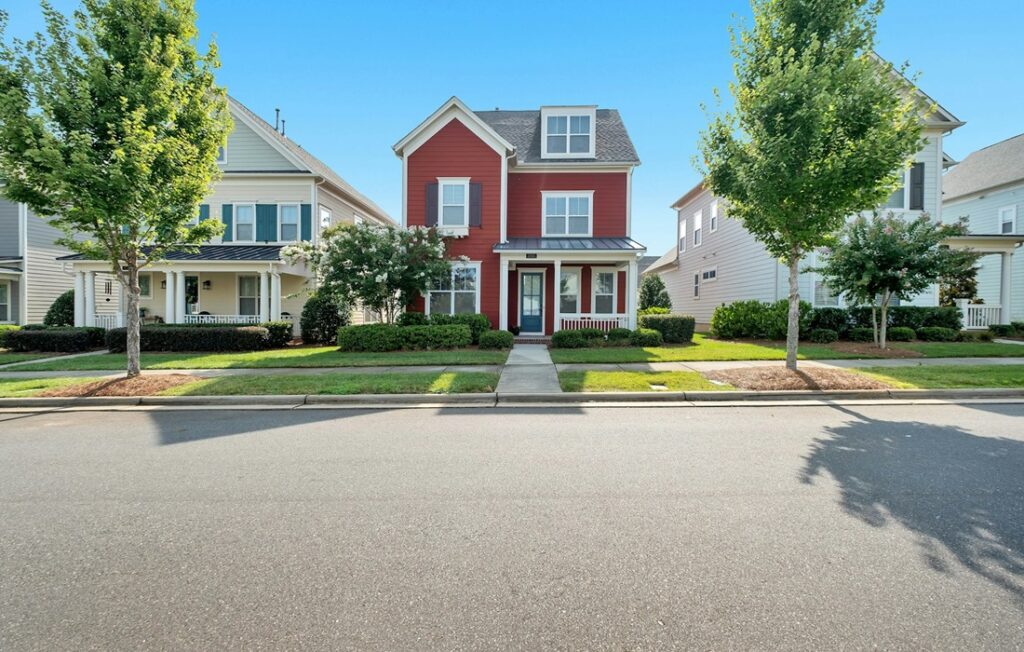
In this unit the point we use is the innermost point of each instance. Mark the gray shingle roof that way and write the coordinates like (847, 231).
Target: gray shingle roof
(569, 244)
(522, 129)
(259, 253)
(668, 260)
(992, 166)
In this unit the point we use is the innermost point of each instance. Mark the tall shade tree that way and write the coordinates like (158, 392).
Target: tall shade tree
(110, 123)
(821, 129)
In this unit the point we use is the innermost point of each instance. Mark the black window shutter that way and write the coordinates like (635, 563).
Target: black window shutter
(476, 194)
(430, 218)
(917, 187)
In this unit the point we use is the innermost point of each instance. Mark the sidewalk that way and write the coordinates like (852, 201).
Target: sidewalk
(529, 370)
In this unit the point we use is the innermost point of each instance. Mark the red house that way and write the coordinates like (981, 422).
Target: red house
(527, 197)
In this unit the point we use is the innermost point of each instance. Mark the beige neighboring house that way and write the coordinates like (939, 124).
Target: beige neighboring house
(272, 193)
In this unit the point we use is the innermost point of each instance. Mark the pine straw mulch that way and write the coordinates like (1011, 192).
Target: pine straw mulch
(138, 386)
(773, 378)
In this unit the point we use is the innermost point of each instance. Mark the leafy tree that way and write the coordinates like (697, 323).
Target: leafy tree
(383, 268)
(959, 286)
(881, 258)
(61, 311)
(653, 293)
(821, 129)
(112, 126)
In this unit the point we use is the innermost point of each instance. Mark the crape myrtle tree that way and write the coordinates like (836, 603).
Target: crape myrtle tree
(653, 293)
(821, 129)
(881, 258)
(110, 123)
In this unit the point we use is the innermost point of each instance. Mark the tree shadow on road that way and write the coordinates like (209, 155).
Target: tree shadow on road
(962, 494)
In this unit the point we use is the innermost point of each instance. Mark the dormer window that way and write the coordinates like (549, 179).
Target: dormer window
(568, 132)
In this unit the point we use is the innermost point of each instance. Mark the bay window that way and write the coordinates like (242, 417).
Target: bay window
(458, 293)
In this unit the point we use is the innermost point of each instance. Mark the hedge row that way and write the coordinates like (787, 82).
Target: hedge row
(582, 338)
(386, 337)
(674, 329)
(54, 340)
(842, 320)
(185, 338)
(5, 329)
(1013, 329)
(478, 323)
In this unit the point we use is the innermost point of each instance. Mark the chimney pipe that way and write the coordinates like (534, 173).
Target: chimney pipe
(282, 127)
(277, 119)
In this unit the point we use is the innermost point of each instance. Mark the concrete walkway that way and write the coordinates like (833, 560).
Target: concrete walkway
(51, 358)
(529, 370)
(710, 365)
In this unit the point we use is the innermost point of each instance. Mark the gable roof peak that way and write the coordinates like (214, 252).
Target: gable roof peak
(453, 109)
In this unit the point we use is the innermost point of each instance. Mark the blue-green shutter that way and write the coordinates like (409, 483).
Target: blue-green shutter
(204, 212)
(226, 211)
(306, 220)
(266, 222)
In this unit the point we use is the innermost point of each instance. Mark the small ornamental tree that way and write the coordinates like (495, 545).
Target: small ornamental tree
(959, 286)
(821, 130)
(383, 268)
(881, 258)
(112, 128)
(653, 293)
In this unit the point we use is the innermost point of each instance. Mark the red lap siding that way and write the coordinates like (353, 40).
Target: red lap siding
(524, 200)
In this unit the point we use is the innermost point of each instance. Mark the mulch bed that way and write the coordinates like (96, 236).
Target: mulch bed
(869, 350)
(138, 386)
(773, 378)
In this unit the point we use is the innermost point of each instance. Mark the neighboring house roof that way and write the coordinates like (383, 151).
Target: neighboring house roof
(666, 262)
(307, 160)
(570, 244)
(992, 166)
(9, 269)
(522, 129)
(224, 253)
(644, 263)
(690, 194)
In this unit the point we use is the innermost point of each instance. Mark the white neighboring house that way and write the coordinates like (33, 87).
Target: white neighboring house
(272, 193)
(715, 260)
(987, 188)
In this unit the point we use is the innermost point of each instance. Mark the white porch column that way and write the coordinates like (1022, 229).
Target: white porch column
(633, 284)
(169, 297)
(558, 295)
(502, 293)
(264, 296)
(179, 297)
(90, 298)
(79, 298)
(1005, 286)
(275, 297)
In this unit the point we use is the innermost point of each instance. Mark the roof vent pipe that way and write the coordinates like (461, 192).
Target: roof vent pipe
(282, 127)
(277, 119)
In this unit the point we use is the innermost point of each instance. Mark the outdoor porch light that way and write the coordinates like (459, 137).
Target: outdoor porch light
(163, 285)
(206, 285)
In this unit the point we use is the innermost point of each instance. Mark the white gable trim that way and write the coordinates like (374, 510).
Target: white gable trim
(261, 132)
(453, 109)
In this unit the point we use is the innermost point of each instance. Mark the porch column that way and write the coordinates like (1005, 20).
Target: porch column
(558, 295)
(264, 296)
(90, 298)
(502, 293)
(79, 298)
(179, 297)
(633, 285)
(1005, 285)
(275, 297)
(169, 297)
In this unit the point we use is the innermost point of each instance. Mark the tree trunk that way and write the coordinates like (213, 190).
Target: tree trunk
(793, 326)
(874, 322)
(132, 324)
(882, 328)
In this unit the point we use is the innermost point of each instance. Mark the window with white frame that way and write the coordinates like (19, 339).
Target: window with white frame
(696, 285)
(458, 293)
(5, 301)
(568, 132)
(325, 217)
(288, 222)
(898, 199)
(698, 231)
(604, 292)
(682, 235)
(248, 295)
(709, 275)
(145, 286)
(1008, 219)
(567, 213)
(245, 222)
(453, 202)
(713, 225)
(357, 219)
(823, 297)
(222, 155)
(569, 292)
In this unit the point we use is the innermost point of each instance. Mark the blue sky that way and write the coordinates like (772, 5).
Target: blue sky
(352, 78)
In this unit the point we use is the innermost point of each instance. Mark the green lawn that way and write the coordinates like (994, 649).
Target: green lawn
(10, 358)
(325, 356)
(411, 383)
(17, 388)
(948, 376)
(635, 381)
(963, 349)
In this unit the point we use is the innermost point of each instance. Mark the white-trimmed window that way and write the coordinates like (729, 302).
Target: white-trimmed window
(457, 294)
(287, 222)
(145, 286)
(698, 231)
(5, 302)
(696, 285)
(568, 213)
(823, 297)
(682, 235)
(245, 222)
(898, 200)
(325, 217)
(248, 295)
(1008, 219)
(452, 202)
(604, 291)
(709, 275)
(713, 225)
(569, 292)
(357, 219)
(222, 155)
(568, 132)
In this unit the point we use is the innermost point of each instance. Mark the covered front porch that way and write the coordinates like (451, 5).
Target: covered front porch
(981, 316)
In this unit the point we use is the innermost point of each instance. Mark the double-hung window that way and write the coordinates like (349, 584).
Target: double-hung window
(248, 295)
(698, 231)
(458, 293)
(569, 292)
(1008, 219)
(453, 204)
(568, 132)
(568, 213)
(288, 222)
(222, 155)
(909, 196)
(325, 217)
(713, 221)
(682, 235)
(145, 286)
(696, 285)
(245, 222)
(604, 292)
(5, 302)
(823, 295)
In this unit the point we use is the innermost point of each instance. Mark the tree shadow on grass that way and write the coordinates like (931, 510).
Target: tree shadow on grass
(961, 494)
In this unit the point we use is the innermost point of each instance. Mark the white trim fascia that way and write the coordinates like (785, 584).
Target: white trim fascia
(259, 129)
(543, 271)
(544, 194)
(572, 255)
(405, 191)
(479, 286)
(979, 194)
(503, 208)
(594, 271)
(629, 203)
(434, 123)
(568, 112)
(574, 166)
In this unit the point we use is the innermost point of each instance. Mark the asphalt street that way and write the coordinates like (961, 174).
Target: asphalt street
(828, 527)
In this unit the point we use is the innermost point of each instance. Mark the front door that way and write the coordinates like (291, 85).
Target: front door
(191, 295)
(531, 302)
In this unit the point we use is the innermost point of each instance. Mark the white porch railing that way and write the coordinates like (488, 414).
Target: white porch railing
(107, 321)
(594, 320)
(979, 316)
(222, 319)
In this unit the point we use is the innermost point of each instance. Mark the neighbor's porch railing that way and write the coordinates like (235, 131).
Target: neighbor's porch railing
(107, 321)
(594, 320)
(222, 319)
(979, 316)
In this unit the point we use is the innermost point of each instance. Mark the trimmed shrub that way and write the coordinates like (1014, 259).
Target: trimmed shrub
(861, 334)
(279, 333)
(35, 327)
(824, 336)
(900, 334)
(61, 311)
(496, 340)
(645, 337)
(5, 329)
(674, 329)
(477, 323)
(653, 310)
(937, 334)
(592, 334)
(569, 339)
(1018, 327)
(835, 319)
(412, 319)
(619, 335)
(915, 317)
(451, 336)
(1002, 330)
(321, 318)
(369, 337)
(757, 320)
(55, 340)
(974, 336)
(219, 339)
